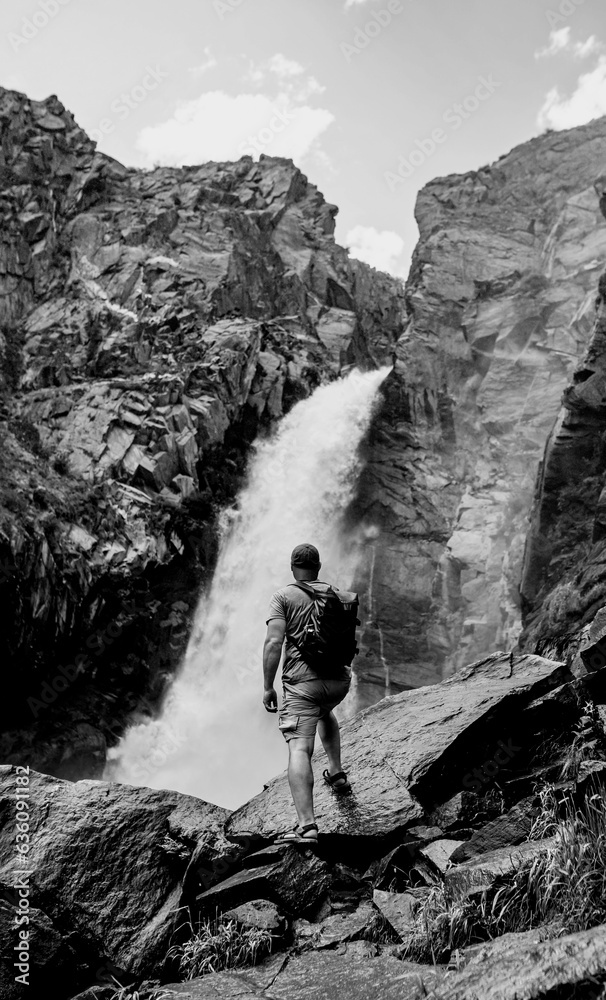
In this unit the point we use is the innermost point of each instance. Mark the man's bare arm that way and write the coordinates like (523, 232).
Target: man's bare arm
(272, 651)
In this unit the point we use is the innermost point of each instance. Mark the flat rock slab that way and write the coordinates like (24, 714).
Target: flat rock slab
(354, 973)
(481, 873)
(396, 749)
(107, 861)
(524, 967)
(216, 986)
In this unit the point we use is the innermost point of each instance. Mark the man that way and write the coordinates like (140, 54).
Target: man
(308, 699)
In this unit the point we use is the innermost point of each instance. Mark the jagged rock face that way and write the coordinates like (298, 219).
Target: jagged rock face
(152, 323)
(563, 584)
(500, 299)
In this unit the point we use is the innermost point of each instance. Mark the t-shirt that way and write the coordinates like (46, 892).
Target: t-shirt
(293, 606)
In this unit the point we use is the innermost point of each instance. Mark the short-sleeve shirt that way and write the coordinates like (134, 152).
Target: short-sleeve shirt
(293, 606)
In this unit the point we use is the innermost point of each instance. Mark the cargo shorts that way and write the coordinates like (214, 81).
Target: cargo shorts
(306, 702)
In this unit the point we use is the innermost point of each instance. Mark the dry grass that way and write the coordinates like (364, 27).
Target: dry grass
(563, 890)
(127, 993)
(220, 944)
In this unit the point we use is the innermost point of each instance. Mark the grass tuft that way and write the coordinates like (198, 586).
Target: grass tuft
(127, 993)
(221, 944)
(563, 890)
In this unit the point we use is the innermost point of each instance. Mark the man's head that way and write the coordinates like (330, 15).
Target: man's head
(305, 562)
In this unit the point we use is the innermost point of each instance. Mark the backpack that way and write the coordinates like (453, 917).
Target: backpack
(329, 641)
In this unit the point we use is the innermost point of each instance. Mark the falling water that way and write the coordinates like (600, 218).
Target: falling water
(213, 738)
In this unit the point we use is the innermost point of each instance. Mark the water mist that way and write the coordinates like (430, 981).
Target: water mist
(213, 738)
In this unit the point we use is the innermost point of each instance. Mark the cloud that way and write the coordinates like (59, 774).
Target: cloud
(209, 62)
(277, 119)
(283, 67)
(584, 49)
(379, 249)
(220, 126)
(560, 41)
(288, 73)
(588, 101)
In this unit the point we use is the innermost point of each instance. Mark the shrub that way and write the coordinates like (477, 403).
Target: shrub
(220, 944)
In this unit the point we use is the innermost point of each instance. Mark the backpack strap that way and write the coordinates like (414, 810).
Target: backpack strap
(302, 585)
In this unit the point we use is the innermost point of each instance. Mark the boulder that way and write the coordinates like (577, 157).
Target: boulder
(457, 812)
(258, 913)
(106, 863)
(441, 853)
(482, 872)
(52, 960)
(399, 909)
(409, 749)
(382, 872)
(525, 966)
(512, 828)
(335, 929)
(296, 881)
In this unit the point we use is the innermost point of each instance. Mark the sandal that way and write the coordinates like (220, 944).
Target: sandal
(344, 788)
(297, 835)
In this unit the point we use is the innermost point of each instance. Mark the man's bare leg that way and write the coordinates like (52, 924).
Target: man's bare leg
(301, 778)
(328, 731)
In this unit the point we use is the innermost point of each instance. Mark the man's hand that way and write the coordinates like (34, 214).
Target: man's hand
(270, 699)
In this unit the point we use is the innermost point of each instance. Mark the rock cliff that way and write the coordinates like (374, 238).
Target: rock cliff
(500, 308)
(152, 324)
(563, 577)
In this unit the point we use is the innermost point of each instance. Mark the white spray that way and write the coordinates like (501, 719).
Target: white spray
(213, 738)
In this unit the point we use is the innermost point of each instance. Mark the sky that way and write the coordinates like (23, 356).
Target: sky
(370, 98)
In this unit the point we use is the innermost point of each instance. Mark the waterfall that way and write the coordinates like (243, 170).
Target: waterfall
(213, 738)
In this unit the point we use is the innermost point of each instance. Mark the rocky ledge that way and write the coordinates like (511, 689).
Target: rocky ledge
(450, 782)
